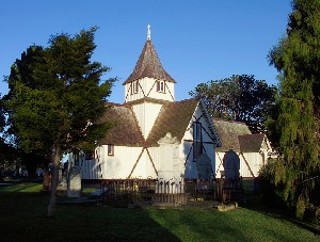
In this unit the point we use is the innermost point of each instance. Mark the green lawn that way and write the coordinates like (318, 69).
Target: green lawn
(23, 218)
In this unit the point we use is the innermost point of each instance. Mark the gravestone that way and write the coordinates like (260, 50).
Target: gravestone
(204, 166)
(74, 182)
(62, 187)
(231, 164)
(169, 162)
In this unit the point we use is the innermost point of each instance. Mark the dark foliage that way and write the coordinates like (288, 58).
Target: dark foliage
(239, 97)
(296, 122)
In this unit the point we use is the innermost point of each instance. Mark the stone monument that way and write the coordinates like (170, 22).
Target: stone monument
(204, 166)
(74, 182)
(231, 164)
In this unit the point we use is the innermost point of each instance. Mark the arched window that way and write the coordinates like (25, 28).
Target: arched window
(161, 87)
(134, 87)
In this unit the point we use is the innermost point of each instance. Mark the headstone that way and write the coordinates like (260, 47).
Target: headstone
(231, 164)
(62, 187)
(74, 182)
(169, 162)
(204, 166)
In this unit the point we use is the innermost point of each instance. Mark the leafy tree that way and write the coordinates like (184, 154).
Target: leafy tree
(297, 58)
(240, 98)
(55, 98)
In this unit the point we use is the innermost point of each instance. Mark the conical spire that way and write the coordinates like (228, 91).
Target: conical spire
(148, 64)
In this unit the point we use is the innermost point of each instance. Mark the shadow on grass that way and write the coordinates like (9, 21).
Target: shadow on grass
(205, 224)
(23, 218)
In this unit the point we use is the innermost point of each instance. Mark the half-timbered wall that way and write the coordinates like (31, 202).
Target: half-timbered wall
(128, 162)
(147, 87)
(250, 163)
(146, 114)
(208, 144)
(254, 160)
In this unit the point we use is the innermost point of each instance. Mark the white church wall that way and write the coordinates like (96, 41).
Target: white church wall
(254, 160)
(146, 121)
(120, 165)
(139, 111)
(152, 92)
(152, 109)
(154, 153)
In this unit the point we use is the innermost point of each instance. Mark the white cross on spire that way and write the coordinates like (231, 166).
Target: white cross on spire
(148, 32)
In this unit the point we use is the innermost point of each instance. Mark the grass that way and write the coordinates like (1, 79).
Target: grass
(23, 218)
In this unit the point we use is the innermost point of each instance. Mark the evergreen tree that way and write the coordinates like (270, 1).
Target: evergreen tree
(2, 115)
(239, 97)
(297, 58)
(55, 98)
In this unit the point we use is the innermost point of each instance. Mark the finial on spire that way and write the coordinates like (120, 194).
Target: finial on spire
(148, 32)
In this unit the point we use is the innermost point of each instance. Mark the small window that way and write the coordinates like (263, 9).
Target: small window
(161, 86)
(137, 87)
(134, 87)
(110, 150)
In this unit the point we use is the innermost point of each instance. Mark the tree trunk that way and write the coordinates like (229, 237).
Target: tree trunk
(56, 156)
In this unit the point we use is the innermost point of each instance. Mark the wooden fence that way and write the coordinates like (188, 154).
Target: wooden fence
(172, 192)
(169, 192)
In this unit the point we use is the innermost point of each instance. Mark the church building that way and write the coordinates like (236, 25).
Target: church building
(154, 136)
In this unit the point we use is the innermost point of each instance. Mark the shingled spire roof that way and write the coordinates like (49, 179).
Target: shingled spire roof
(149, 64)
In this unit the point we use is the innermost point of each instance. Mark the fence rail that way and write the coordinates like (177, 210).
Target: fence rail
(173, 192)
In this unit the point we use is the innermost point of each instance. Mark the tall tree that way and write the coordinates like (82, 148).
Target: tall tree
(297, 58)
(55, 98)
(240, 98)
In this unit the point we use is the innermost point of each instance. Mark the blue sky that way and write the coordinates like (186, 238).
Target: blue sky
(197, 41)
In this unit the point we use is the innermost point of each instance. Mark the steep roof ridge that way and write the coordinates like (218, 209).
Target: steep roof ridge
(149, 65)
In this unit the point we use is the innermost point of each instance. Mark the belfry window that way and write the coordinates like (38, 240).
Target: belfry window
(134, 87)
(161, 86)
(197, 140)
(110, 150)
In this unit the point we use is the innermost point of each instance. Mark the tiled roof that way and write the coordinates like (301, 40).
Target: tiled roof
(125, 130)
(149, 65)
(229, 131)
(251, 143)
(174, 117)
